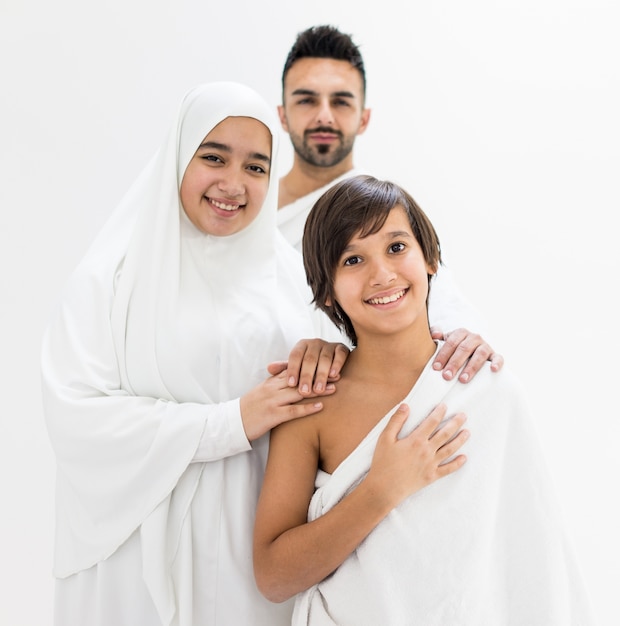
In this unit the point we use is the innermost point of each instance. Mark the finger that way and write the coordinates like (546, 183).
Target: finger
(340, 357)
(465, 349)
(295, 359)
(480, 356)
(437, 333)
(446, 431)
(308, 369)
(429, 424)
(451, 341)
(277, 367)
(329, 389)
(451, 466)
(450, 449)
(331, 359)
(395, 423)
(295, 411)
(318, 379)
(497, 362)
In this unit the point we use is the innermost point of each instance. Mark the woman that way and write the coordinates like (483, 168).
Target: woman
(153, 379)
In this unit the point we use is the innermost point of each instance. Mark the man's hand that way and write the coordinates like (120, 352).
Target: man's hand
(461, 345)
(312, 364)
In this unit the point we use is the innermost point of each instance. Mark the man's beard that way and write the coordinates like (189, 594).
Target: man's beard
(323, 155)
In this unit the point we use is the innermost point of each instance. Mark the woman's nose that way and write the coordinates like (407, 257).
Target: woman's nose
(231, 184)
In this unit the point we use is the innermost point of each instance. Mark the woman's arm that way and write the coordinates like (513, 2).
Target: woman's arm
(291, 554)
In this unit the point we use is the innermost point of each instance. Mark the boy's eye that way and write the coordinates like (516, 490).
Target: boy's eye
(258, 169)
(352, 260)
(397, 247)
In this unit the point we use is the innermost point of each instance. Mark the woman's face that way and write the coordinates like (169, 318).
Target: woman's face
(225, 183)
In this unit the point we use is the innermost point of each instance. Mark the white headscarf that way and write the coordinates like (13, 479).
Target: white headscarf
(159, 321)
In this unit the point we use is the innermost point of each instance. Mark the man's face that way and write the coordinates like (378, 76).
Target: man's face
(323, 109)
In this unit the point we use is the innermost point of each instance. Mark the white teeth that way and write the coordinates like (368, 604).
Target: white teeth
(388, 299)
(225, 207)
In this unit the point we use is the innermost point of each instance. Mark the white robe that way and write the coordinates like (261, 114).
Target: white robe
(159, 332)
(448, 308)
(485, 546)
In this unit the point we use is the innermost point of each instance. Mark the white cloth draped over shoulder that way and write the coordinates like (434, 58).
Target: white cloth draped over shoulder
(485, 546)
(158, 333)
(292, 217)
(448, 308)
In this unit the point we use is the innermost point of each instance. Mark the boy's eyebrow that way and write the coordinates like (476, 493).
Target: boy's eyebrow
(215, 145)
(399, 233)
(394, 234)
(311, 92)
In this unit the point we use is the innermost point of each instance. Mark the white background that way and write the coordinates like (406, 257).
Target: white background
(501, 118)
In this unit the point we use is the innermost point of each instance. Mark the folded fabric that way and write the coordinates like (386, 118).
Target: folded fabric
(485, 546)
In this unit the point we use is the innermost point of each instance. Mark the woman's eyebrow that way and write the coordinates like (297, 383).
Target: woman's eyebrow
(216, 145)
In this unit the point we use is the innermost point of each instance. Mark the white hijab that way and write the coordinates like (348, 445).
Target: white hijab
(158, 321)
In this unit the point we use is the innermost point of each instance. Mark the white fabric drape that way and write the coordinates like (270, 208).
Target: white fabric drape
(158, 333)
(485, 546)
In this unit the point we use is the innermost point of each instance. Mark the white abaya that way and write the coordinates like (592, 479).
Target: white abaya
(160, 331)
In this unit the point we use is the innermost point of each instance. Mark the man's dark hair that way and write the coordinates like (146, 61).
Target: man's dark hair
(325, 42)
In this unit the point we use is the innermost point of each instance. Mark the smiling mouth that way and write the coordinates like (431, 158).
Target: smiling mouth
(223, 206)
(387, 299)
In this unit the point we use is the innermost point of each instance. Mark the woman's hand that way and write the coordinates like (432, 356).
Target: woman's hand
(274, 401)
(461, 345)
(311, 365)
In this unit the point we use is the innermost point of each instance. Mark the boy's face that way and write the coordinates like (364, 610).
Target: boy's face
(323, 109)
(381, 281)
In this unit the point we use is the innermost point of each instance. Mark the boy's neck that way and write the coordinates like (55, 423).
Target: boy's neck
(389, 358)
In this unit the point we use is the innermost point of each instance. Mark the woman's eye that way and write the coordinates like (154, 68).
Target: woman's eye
(352, 260)
(211, 157)
(397, 247)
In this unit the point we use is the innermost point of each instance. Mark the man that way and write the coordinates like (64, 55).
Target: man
(323, 98)
(323, 110)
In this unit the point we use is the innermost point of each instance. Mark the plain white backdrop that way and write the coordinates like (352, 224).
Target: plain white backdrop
(501, 118)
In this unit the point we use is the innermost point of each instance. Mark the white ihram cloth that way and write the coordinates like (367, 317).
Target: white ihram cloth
(159, 332)
(448, 308)
(482, 547)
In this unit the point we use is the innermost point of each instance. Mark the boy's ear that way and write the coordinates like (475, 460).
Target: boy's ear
(328, 301)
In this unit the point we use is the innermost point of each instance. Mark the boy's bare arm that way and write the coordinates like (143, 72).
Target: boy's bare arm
(291, 554)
